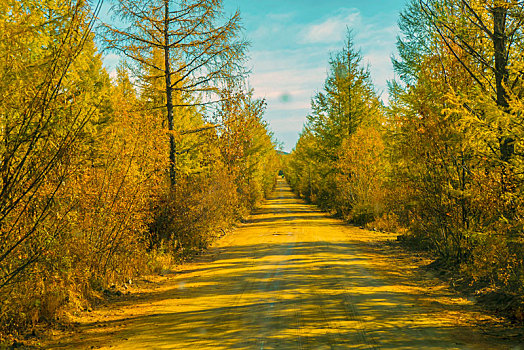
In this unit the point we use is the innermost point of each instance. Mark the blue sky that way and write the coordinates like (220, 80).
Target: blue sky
(291, 41)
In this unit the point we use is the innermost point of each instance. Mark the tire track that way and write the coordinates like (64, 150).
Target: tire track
(351, 311)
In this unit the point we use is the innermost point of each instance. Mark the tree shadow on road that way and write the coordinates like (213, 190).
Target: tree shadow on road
(309, 293)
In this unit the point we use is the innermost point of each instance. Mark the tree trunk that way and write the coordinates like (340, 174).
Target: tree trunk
(501, 74)
(169, 98)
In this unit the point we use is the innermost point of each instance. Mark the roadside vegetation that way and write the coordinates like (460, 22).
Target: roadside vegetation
(443, 163)
(103, 179)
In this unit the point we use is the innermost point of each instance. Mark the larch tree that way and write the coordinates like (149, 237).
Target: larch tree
(198, 52)
(341, 106)
(42, 117)
(456, 137)
(327, 168)
(246, 145)
(486, 38)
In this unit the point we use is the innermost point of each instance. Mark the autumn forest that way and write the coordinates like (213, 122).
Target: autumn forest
(106, 178)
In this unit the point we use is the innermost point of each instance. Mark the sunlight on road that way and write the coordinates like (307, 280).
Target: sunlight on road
(290, 278)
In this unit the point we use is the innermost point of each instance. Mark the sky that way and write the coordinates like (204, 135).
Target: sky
(290, 45)
(291, 42)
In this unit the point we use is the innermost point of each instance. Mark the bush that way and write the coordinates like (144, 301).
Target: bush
(188, 218)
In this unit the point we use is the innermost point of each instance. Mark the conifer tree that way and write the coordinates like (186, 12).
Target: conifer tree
(327, 152)
(197, 51)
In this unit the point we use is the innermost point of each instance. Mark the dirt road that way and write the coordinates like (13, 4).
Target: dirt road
(293, 278)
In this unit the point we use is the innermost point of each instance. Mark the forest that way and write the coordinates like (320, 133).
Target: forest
(106, 178)
(442, 163)
(103, 179)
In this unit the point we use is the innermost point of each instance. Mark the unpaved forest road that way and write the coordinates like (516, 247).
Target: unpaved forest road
(293, 278)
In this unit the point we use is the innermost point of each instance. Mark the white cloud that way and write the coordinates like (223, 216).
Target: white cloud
(378, 44)
(287, 80)
(280, 17)
(112, 74)
(288, 124)
(110, 62)
(301, 105)
(380, 67)
(331, 29)
(268, 30)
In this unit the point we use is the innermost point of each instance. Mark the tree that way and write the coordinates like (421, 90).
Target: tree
(486, 39)
(197, 52)
(347, 97)
(455, 135)
(246, 145)
(42, 120)
(325, 163)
